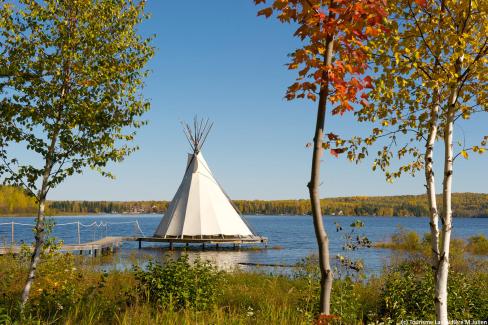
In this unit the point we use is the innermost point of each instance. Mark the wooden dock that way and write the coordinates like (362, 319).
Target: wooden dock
(106, 244)
(235, 241)
(111, 243)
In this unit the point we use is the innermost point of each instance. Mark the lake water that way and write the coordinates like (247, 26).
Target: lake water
(294, 235)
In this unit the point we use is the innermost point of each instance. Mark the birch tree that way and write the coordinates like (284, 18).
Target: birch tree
(433, 71)
(73, 94)
(330, 64)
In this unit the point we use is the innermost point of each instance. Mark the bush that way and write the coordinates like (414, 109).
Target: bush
(408, 292)
(407, 240)
(345, 301)
(478, 245)
(179, 284)
(352, 299)
(56, 286)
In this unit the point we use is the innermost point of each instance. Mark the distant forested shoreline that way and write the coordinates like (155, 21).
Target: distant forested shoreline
(14, 201)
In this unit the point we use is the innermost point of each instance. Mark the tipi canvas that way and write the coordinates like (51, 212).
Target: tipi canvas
(200, 208)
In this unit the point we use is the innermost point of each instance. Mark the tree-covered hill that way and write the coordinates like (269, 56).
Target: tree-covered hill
(464, 205)
(14, 201)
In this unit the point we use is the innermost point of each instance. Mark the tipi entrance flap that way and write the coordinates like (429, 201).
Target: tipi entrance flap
(191, 226)
(207, 204)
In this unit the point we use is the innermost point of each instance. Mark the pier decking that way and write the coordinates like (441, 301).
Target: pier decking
(236, 241)
(105, 244)
(110, 243)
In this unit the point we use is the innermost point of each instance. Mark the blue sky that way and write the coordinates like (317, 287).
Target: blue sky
(218, 60)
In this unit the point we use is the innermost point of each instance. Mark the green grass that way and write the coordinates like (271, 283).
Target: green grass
(72, 290)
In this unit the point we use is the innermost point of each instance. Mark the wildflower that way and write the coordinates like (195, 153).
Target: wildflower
(250, 311)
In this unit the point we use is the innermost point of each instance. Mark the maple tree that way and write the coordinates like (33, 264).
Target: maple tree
(432, 71)
(71, 93)
(331, 63)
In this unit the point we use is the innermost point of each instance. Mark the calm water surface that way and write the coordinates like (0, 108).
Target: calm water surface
(293, 234)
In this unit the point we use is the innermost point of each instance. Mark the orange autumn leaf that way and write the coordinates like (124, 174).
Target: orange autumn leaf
(421, 3)
(311, 96)
(337, 151)
(372, 31)
(332, 136)
(266, 12)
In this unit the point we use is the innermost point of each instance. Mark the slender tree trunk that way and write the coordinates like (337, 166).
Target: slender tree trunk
(313, 186)
(442, 274)
(36, 255)
(431, 192)
(429, 175)
(441, 279)
(39, 230)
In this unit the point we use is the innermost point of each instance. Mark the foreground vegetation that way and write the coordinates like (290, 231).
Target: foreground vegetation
(14, 201)
(73, 290)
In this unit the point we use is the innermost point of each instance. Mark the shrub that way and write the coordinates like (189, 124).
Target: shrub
(308, 271)
(408, 292)
(351, 297)
(179, 284)
(478, 245)
(56, 286)
(345, 301)
(407, 240)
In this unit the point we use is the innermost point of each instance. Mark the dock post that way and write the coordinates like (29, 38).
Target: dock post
(203, 246)
(79, 239)
(140, 243)
(170, 245)
(217, 246)
(234, 246)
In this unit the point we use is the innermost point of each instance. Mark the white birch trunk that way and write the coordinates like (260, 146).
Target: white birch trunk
(442, 277)
(431, 193)
(39, 230)
(36, 255)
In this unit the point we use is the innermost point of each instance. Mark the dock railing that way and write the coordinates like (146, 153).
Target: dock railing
(98, 229)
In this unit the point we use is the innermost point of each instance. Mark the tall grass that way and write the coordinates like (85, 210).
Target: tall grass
(73, 290)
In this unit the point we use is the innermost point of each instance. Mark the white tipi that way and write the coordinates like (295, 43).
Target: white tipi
(200, 208)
